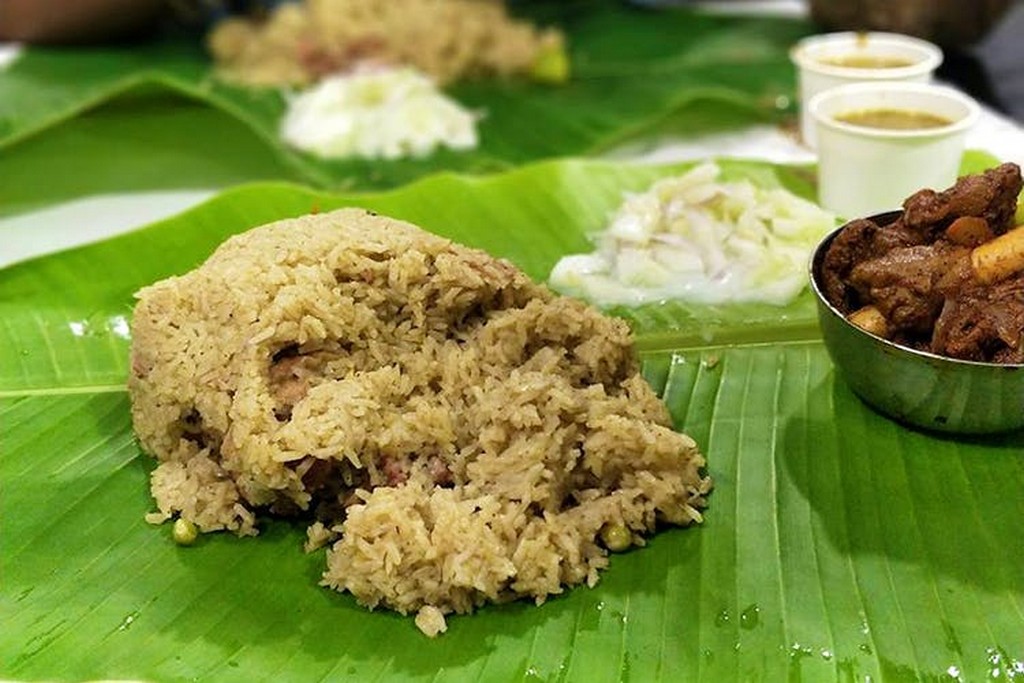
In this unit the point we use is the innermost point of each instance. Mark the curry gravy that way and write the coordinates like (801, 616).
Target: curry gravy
(893, 119)
(860, 61)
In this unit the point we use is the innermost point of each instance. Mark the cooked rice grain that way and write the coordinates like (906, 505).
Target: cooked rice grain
(466, 432)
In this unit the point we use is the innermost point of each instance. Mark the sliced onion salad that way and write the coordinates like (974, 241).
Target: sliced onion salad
(697, 238)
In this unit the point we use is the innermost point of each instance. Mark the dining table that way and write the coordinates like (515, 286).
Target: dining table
(837, 545)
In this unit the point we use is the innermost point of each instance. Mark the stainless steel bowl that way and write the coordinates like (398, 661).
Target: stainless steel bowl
(915, 387)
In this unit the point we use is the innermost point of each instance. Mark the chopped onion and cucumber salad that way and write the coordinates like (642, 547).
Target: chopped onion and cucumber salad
(698, 238)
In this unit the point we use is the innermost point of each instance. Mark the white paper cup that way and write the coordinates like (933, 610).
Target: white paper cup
(816, 75)
(863, 171)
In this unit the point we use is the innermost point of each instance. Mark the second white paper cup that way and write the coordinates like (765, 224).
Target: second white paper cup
(864, 171)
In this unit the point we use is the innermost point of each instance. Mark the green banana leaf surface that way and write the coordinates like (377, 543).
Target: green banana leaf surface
(838, 545)
(153, 116)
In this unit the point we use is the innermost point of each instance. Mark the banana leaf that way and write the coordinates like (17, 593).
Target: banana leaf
(131, 117)
(837, 545)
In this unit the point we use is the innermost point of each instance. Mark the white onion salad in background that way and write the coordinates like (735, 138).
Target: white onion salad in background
(377, 113)
(696, 238)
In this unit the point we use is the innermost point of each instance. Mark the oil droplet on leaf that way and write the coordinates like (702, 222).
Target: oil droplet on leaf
(127, 622)
(750, 617)
(798, 651)
(1003, 666)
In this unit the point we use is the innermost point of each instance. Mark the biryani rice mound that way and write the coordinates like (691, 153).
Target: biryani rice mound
(458, 433)
(451, 40)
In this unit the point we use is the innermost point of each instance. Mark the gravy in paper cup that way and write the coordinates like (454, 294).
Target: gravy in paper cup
(867, 169)
(834, 59)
